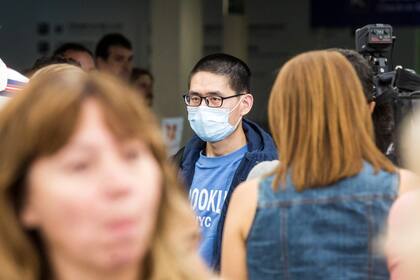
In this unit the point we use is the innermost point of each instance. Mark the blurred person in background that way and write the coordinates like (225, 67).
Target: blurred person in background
(86, 191)
(47, 61)
(143, 80)
(402, 245)
(318, 214)
(78, 53)
(68, 72)
(114, 55)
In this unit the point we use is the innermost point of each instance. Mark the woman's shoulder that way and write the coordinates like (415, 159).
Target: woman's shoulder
(246, 191)
(409, 181)
(402, 235)
(403, 208)
(243, 205)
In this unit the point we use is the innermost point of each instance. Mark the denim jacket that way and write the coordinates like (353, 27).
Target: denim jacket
(326, 233)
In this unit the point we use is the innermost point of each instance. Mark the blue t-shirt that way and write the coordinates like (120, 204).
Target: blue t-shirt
(212, 179)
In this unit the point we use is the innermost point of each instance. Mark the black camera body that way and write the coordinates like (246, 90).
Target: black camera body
(397, 88)
(376, 42)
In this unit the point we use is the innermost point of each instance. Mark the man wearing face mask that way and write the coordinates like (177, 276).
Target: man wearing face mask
(226, 146)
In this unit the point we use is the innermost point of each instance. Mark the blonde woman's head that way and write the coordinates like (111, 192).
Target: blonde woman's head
(85, 183)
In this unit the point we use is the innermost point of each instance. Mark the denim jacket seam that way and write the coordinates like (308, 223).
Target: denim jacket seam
(294, 202)
(395, 184)
(370, 236)
(283, 216)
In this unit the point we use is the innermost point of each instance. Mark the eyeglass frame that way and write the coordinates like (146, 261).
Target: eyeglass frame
(208, 102)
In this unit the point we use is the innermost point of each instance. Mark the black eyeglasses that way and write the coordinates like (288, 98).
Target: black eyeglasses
(211, 101)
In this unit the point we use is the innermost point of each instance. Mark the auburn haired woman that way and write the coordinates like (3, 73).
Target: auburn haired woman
(85, 189)
(318, 215)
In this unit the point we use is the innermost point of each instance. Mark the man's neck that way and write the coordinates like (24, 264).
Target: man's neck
(228, 145)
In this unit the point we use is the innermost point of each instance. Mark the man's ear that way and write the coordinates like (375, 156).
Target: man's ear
(247, 102)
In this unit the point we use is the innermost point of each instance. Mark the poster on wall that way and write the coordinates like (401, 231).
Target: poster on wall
(172, 129)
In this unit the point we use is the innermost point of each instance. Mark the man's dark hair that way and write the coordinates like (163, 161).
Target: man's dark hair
(60, 51)
(109, 40)
(137, 72)
(226, 65)
(49, 60)
(363, 70)
(383, 114)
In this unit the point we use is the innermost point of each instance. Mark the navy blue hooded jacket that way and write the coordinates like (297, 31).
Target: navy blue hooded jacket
(260, 148)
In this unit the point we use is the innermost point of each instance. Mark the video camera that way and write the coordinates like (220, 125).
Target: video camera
(397, 90)
(400, 85)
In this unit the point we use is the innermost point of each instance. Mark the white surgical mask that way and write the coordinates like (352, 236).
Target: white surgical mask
(211, 124)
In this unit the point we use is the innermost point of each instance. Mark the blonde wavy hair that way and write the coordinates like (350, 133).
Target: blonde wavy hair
(39, 122)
